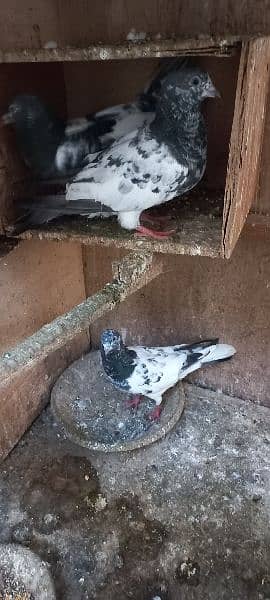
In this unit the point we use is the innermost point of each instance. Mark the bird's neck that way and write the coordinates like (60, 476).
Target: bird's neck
(176, 125)
(118, 364)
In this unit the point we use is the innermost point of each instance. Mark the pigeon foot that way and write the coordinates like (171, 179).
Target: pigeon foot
(158, 235)
(134, 402)
(154, 415)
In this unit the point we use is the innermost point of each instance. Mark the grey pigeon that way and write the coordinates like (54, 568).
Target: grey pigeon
(42, 140)
(157, 162)
(151, 372)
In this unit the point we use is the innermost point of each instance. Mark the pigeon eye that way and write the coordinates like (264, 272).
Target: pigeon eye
(195, 81)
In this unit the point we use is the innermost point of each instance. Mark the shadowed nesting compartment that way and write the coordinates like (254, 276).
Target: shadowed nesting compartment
(80, 88)
(209, 219)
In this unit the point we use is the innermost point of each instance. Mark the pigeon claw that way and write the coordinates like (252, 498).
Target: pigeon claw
(154, 415)
(134, 402)
(158, 235)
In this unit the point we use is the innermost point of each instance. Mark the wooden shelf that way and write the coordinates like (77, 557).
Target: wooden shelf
(207, 46)
(196, 217)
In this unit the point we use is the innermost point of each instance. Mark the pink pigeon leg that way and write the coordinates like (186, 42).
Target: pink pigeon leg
(158, 235)
(154, 415)
(134, 402)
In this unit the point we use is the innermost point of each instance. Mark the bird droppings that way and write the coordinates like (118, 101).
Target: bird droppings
(188, 572)
(50, 45)
(136, 36)
(179, 519)
(94, 414)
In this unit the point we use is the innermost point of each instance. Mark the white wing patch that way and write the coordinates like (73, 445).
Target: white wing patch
(156, 371)
(132, 175)
(76, 126)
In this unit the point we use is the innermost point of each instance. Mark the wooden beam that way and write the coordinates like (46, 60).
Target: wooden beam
(28, 371)
(246, 139)
(207, 46)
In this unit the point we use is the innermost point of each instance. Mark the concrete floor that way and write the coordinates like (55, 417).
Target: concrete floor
(186, 518)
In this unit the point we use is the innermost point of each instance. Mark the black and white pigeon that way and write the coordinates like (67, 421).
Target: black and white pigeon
(151, 372)
(56, 148)
(157, 162)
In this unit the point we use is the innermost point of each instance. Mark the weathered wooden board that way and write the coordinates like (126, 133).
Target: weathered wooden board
(23, 398)
(80, 23)
(170, 47)
(261, 204)
(200, 236)
(246, 139)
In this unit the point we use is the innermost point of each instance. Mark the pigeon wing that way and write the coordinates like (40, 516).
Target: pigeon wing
(134, 174)
(155, 372)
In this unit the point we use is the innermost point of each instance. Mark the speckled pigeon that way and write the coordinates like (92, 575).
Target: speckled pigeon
(157, 162)
(151, 372)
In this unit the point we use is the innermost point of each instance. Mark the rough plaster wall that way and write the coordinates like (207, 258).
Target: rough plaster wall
(38, 281)
(200, 297)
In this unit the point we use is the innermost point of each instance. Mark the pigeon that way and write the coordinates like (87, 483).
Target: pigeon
(54, 148)
(151, 372)
(44, 145)
(157, 162)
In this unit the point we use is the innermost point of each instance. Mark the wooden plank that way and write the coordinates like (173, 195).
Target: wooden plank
(246, 139)
(23, 398)
(149, 49)
(199, 236)
(196, 217)
(261, 204)
(79, 23)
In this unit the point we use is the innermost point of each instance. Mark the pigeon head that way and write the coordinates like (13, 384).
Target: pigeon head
(191, 83)
(24, 109)
(111, 340)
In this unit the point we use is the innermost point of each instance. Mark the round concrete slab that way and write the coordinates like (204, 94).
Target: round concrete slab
(94, 415)
(24, 575)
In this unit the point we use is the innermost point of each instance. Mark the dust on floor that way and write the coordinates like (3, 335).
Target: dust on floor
(185, 518)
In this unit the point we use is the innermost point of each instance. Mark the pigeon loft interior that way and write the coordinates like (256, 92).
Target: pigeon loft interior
(74, 82)
(182, 509)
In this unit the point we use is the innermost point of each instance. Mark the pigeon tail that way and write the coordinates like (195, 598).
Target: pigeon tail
(38, 211)
(218, 353)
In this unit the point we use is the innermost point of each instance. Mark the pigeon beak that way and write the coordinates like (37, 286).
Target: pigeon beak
(210, 91)
(6, 119)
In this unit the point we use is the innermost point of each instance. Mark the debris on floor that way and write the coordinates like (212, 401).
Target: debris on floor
(187, 518)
